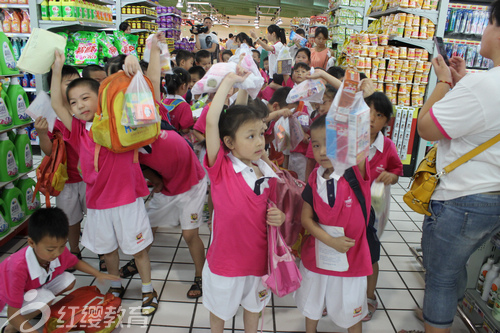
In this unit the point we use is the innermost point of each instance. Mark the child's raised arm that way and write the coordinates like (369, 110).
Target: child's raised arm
(321, 74)
(56, 92)
(212, 130)
(341, 244)
(154, 68)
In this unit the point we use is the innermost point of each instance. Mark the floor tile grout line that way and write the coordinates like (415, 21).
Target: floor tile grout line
(385, 310)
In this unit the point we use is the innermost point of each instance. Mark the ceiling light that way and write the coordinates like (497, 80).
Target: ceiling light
(256, 20)
(179, 4)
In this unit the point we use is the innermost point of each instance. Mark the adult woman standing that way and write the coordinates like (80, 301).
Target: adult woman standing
(465, 206)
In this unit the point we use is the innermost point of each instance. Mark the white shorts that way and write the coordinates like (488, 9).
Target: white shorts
(37, 299)
(186, 208)
(125, 226)
(297, 163)
(344, 297)
(72, 201)
(223, 295)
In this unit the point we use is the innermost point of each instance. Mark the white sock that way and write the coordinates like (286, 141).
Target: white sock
(116, 284)
(147, 287)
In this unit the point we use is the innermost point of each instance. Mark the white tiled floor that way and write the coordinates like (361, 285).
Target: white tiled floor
(400, 286)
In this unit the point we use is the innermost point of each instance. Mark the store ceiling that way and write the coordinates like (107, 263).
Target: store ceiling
(289, 8)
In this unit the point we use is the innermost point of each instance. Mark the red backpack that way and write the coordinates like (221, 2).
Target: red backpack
(85, 309)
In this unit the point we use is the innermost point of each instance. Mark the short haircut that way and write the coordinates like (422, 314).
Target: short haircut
(300, 31)
(83, 82)
(362, 76)
(266, 59)
(123, 26)
(381, 103)
(259, 107)
(318, 123)
(200, 55)
(306, 51)
(231, 35)
(183, 55)
(302, 65)
(227, 52)
(90, 69)
(336, 71)
(330, 91)
(495, 13)
(67, 70)
(278, 79)
(197, 70)
(175, 80)
(207, 18)
(256, 51)
(115, 64)
(48, 222)
(280, 96)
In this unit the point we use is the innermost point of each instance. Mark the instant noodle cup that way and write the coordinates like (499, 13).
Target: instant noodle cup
(354, 38)
(425, 55)
(434, 4)
(425, 79)
(412, 3)
(389, 76)
(390, 88)
(411, 54)
(400, 30)
(381, 75)
(408, 32)
(364, 39)
(430, 32)
(356, 50)
(398, 65)
(367, 72)
(403, 52)
(375, 63)
(387, 52)
(374, 74)
(409, 77)
(395, 52)
(417, 79)
(380, 51)
(427, 66)
(379, 87)
(382, 64)
(412, 65)
(402, 18)
(406, 66)
(409, 19)
(372, 51)
(424, 21)
(364, 51)
(359, 63)
(426, 4)
(418, 54)
(393, 30)
(368, 64)
(391, 65)
(393, 99)
(402, 77)
(422, 90)
(383, 39)
(416, 21)
(420, 67)
(374, 39)
(423, 32)
(395, 76)
(405, 100)
(415, 33)
(403, 3)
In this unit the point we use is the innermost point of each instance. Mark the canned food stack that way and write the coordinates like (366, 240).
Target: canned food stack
(401, 72)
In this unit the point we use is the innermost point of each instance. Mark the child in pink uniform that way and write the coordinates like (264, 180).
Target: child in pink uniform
(35, 275)
(116, 215)
(177, 85)
(241, 184)
(385, 167)
(329, 200)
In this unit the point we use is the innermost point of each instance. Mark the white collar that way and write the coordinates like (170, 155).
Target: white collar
(175, 97)
(333, 175)
(379, 142)
(239, 166)
(37, 271)
(88, 125)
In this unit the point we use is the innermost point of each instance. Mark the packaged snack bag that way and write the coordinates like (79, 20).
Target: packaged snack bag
(309, 90)
(139, 105)
(85, 52)
(121, 43)
(282, 134)
(164, 55)
(297, 39)
(132, 42)
(213, 78)
(106, 47)
(284, 62)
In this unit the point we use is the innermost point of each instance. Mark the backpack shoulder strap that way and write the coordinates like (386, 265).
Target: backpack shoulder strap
(350, 176)
(173, 104)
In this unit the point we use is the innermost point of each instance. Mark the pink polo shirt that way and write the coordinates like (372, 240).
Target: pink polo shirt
(17, 278)
(118, 181)
(346, 213)
(239, 235)
(201, 123)
(181, 116)
(175, 161)
(72, 155)
(388, 160)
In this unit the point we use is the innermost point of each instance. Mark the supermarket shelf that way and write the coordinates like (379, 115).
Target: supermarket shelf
(64, 24)
(14, 231)
(168, 29)
(427, 44)
(347, 26)
(136, 16)
(29, 89)
(13, 5)
(7, 76)
(14, 35)
(143, 2)
(103, 2)
(461, 41)
(318, 25)
(170, 14)
(14, 127)
(481, 309)
(2, 184)
(141, 30)
(360, 10)
(430, 14)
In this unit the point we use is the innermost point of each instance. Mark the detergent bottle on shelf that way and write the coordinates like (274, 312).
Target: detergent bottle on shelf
(19, 102)
(23, 152)
(12, 197)
(44, 10)
(55, 10)
(15, 25)
(69, 10)
(8, 165)
(7, 21)
(29, 202)
(4, 225)
(5, 116)
(25, 23)
(7, 60)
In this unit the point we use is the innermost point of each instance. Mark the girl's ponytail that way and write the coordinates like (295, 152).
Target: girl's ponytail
(282, 36)
(175, 80)
(280, 32)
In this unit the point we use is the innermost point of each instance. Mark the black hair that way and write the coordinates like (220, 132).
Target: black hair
(495, 13)
(48, 222)
(175, 51)
(321, 30)
(280, 96)
(233, 117)
(227, 52)
(306, 51)
(264, 40)
(300, 31)
(330, 91)
(318, 123)
(197, 70)
(301, 65)
(266, 59)
(256, 51)
(67, 70)
(259, 107)
(144, 65)
(280, 32)
(231, 35)
(173, 81)
(123, 26)
(183, 55)
(201, 54)
(244, 38)
(381, 103)
(207, 17)
(278, 79)
(336, 71)
(83, 82)
(115, 64)
(90, 69)
(362, 76)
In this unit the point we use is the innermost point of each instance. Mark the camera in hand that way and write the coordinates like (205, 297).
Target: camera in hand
(197, 29)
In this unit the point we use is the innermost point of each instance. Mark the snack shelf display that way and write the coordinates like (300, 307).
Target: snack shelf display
(80, 25)
(121, 3)
(138, 16)
(347, 17)
(430, 14)
(13, 5)
(169, 20)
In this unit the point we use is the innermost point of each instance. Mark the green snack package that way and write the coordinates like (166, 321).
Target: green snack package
(132, 42)
(86, 50)
(121, 42)
(106, 47)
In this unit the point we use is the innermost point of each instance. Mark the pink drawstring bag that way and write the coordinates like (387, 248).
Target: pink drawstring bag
(283, 275)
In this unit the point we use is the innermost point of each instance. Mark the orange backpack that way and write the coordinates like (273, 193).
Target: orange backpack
(107, 130)
(52, 173)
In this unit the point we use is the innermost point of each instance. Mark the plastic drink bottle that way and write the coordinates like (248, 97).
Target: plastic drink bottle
(482, 274)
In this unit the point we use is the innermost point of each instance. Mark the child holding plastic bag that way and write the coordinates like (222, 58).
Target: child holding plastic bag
(385, 169)
(177, 85)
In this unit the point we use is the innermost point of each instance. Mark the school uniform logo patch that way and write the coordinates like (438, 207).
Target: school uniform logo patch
(348, 202)
(357, 311)
(194, 218)
(139, 238)
(263, 295)
(380, 168)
